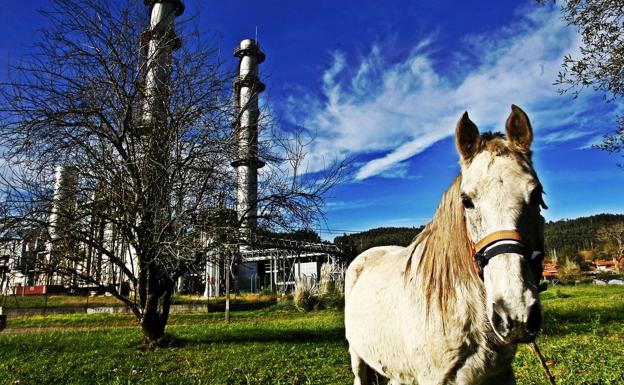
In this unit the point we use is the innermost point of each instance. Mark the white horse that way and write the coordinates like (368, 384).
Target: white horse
(451, 307)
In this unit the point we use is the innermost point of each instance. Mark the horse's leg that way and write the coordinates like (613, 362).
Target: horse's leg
(359, 369)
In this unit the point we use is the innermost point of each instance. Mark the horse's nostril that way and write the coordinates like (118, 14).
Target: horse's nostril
(510, 323)
(534, 322)
(502, 323)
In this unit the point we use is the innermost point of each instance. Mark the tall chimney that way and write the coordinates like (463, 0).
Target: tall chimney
(158, 42)
(247, 88)
(59, 221)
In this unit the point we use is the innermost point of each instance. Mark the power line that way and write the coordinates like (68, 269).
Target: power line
(331, 231)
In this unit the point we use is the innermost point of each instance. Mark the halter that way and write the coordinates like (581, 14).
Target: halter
(488, 248)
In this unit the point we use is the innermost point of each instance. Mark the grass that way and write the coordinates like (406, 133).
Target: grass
(72, 301)
(583, 338)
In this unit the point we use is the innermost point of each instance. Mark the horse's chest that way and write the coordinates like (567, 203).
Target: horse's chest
(404, 349)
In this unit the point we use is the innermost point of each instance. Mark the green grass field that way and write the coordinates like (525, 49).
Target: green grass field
(72, 301)
(583, 338)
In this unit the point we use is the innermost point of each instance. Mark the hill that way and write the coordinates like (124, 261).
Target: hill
(356, 243)
(567, 237)
(564, 238)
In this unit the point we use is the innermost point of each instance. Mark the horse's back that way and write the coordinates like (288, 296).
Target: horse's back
(367, 260)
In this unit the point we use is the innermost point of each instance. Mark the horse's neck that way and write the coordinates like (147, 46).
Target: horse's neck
(466, 309)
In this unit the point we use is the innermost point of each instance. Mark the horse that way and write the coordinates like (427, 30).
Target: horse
(452, 307)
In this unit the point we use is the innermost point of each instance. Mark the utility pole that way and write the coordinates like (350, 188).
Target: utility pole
(228, 272)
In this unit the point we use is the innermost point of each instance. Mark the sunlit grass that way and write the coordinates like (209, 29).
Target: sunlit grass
(74, 301)
(583, 338)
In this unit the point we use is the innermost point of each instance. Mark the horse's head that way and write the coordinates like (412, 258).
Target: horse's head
(502, 197)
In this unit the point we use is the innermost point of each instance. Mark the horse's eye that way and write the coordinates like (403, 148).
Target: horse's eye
(466, 201)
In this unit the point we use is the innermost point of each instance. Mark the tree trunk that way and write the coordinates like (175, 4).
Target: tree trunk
(152, 325)
(227, 288)
(155, 317)
(157, 293)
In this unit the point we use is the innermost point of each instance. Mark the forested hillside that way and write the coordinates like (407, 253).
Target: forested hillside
(305, 235)
(566, 237)
(597, 233)
(354, 244)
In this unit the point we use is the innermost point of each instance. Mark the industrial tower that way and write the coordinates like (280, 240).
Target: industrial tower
(247, 87)
(158, 42)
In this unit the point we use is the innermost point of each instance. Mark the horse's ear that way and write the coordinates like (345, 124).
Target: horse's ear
(467, 137)
(518, 129)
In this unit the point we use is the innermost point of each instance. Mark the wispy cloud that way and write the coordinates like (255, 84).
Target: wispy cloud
(592, 142)
(337, 205)
(563, 136)
(393, 111)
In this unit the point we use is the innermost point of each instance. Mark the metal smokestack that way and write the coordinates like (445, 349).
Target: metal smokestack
(158, 42)
(247, 88)
(61, 213)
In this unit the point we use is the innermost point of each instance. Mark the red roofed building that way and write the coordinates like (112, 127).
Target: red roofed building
(550, 271)
(607, 266)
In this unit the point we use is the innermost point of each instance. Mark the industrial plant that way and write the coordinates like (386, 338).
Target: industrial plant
(35, 259)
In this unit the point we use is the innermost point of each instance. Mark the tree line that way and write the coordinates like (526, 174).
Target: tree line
(600, 235)
(354, 244)
(569, 237)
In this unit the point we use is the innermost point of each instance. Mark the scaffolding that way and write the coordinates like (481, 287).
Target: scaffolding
(285, 262)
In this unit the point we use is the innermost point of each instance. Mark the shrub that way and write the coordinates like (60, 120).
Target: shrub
(304, 299)
(608, 276)
(569, 272)
(334, 301)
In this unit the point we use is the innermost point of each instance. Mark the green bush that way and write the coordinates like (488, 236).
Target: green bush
(608, 276)
(304, 299)
(333, 301)
(569, 272)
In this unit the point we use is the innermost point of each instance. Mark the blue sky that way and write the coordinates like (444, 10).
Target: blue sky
(383, 83)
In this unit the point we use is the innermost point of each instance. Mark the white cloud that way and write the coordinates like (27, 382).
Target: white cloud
(563, 136)
(594, 141)
(393, 111)
(337, 205)
(399, 171)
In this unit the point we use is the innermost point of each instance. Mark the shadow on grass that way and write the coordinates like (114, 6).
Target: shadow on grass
(241, 306)
(583, 320)
(261, 335)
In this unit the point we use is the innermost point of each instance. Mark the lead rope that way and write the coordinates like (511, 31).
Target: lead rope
(537, 351)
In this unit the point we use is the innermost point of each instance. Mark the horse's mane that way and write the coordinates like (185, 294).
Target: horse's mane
(446, 258)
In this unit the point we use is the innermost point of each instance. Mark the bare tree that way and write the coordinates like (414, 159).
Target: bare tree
(614, 234)
(149, 195)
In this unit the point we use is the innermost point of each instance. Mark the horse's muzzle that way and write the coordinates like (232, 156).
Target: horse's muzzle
(513, 331)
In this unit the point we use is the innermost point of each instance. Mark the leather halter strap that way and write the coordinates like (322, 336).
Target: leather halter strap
(497, 236)
(482, 254)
